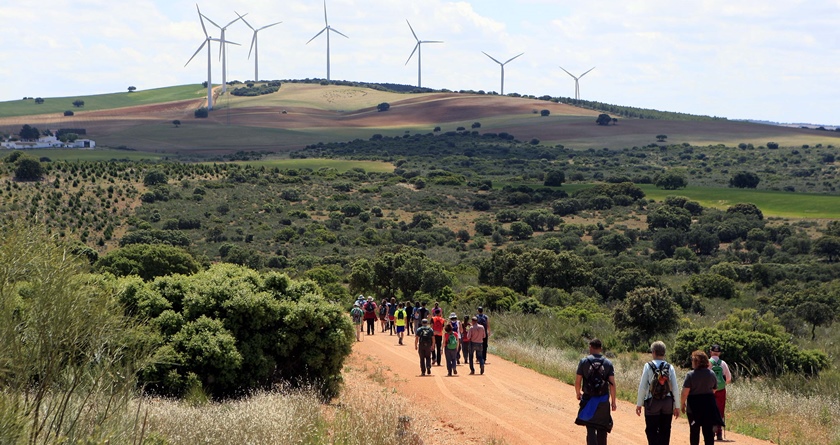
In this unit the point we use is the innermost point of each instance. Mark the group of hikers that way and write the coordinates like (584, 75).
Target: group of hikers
(436, 339)
(702, 398)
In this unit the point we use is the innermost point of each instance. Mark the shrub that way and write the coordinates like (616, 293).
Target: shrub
(148, 261)
(544, 112)
(201, 113)
(645, 312)
(711, 285)
(384, 106)
(69, 112)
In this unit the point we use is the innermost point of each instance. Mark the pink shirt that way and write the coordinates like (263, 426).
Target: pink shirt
(476, 334)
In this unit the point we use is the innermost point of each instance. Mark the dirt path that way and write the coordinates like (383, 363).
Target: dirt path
(508, 402)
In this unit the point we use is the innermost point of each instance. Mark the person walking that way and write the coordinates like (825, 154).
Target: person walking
(383, 313)
(595, 388)
(724, 377)
(437, 326)
(698, 400)
(392, 312)
(450, 349)
(476, 336)
(416, 315)
(484, 320)
(370, 315)
(423, 338)
(456, 328)
(357, 314)
(409, 315)
(465, 341)
(657, 393)
(400, 319)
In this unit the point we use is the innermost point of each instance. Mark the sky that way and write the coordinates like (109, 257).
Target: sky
(746, 59)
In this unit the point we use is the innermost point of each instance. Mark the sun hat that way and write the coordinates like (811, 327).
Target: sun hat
(452, 315)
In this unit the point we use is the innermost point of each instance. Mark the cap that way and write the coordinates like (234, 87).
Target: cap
(356, 303)
(370, 298)
(424, 321)
(715, 348)
(480, 309)
(452, 315)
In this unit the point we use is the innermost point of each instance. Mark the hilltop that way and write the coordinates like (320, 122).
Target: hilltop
(301, 114)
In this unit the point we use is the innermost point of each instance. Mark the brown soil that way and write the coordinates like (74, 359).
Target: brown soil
(510, 403)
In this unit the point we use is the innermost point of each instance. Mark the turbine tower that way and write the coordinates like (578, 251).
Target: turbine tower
(577, 81)
(254, 46)
(418, 50)
(222, 49)
(503, 68)
(328, 29)
(206, 41)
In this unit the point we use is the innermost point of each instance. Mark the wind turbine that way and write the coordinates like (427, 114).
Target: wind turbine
(206, 41)
(503, 68)
(577, 81)
(222, 49)
(418, 50)
(254, 46)
(328, 29)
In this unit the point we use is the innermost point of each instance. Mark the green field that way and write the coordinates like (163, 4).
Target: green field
(339, 164)
(771, 203)
(102, 101)
(92, 155)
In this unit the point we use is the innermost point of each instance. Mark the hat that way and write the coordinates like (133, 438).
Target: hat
(480, 309)
(370, 298)
(424, 321)
(356, 304)
(715, 348)
(452, 315)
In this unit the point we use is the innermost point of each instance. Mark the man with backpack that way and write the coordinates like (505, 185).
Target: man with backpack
(423, 338)
(400, 319)
(370, 315)
(356, 314)
(595, 388)
(724, 377)
(484, 320)
(657, 388)
(476, 336)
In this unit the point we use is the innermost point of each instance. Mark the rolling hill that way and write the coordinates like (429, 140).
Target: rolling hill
(300, 114)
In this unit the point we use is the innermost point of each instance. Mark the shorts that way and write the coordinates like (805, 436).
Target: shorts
(400, 329)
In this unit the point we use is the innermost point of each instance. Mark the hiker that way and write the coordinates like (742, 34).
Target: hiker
(409, 315)
(450, 349)
(484, 320)
(423, 338)
(476, 336)
(356, 314)
(465, 341)
(657, 390)
(595, 388)
(392, 312)
(437, 326)
(400, 318)
(383, 313)
(724, 377)
(456, 328)
(698, 400)
(418, 315)
(370, 315)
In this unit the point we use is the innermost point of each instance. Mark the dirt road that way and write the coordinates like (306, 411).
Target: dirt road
(508, 402)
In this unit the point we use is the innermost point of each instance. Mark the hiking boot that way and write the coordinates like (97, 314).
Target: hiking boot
(719, 435)
(482, 370)
(455, 371)
(449, 375)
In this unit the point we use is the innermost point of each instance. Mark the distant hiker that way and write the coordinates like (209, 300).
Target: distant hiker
(417, 315)
(657, 392)
(370, 315)
(456, 328)
(405, 435)
(356, 314)
(450, 349)
(724, 377)
(437, 326)
(698, 400)
(476, 336)
(409, 314)
(392, 312)
(484, 320)
(423, 338)
(595, 388)
(383, 313)
(465, 341)
(360, 301)
(400, 319)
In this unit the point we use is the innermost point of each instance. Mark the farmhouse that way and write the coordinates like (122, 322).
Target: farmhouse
(47, 142)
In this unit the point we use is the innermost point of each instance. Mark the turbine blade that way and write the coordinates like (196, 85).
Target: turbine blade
(268, 26)
(339, 32)
(253, 42)
(573, 76)
(488, 55)
(208, 19)
(244, 21)
(202, 20)
(316, 35)
(586, 72)
(325, 14)
(412, 30)
(508, 60)
(196, 52)
(431, 41)
(234, 20)
(412, 53)
(224, 41)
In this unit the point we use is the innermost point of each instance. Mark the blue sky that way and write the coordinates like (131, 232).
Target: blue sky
(749, 59)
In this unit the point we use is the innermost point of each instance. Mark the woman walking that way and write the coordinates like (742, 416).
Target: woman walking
(698, 400)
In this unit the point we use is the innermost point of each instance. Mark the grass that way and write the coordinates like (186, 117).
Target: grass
(102, 101)
(92, 155)
(324, 97)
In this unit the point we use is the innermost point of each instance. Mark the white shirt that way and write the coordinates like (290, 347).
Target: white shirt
(647, 379)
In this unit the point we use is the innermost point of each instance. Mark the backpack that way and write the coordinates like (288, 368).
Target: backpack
(660, 387)
(482, 320)
(595, 379)
(425, 334)
(400, 314)
(369, 307)
(452, 342)
(383, 310)
(717, 368)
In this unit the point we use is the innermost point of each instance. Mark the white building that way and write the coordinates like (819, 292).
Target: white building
(47, 142)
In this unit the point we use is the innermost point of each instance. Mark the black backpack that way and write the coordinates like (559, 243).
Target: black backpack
(425, 334)
(595, 379)
(369, 307)
(660, 387)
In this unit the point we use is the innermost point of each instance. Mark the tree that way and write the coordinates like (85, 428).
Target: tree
(131, 89)
(68, 137)
(544, 112)
(667, 240)
(671, 181)
(614, 243)
(28, 170)
(773, 145)
(201, 113)
(78, 103)
(384, 106)
(176, 123)
(747, 209)
(661, 137)
(828, 246)
(69, 113)
(603, 119)
(148, 261)
(744, 179)
(476, 125)
(154, 177)
(816, 313)
(647, 311)
(554, 178)
(39, 100)
(669, 216)
(28, 132)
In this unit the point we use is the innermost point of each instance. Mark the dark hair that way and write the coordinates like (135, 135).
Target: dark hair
(595, 343)
(448, 328)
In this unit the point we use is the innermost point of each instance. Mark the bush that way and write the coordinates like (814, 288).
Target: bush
(750, 353)
(544, 112)
(384, 106)
(645, 312)
(201, 113)
(148, 261)
(711, 285)
(69, 112)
